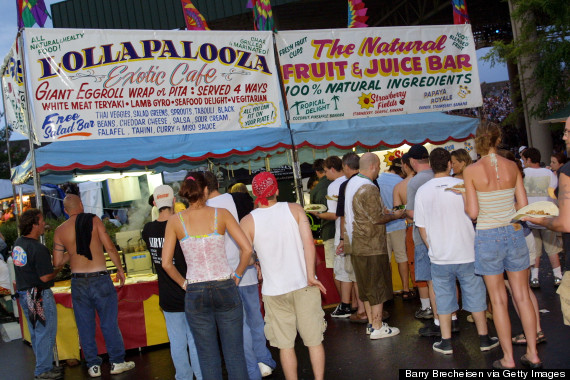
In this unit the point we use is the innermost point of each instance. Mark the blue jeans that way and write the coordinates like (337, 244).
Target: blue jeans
(182, 341)
(42, 337)
(255, 345)
(97, 294)
(212, 307)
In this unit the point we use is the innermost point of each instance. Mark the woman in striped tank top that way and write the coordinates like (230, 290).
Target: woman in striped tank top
(494, 190)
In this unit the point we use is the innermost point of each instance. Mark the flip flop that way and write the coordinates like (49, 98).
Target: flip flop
(521, 339)
(529, 364)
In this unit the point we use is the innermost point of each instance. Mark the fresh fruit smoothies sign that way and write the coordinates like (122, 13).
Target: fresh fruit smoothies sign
(97, 84)
(364, 72)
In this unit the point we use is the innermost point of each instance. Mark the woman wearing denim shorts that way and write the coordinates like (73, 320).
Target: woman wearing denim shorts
(494, 190)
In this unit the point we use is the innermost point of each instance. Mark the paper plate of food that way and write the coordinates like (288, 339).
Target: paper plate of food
(332, 198)
(459, 187)
(543, 209)
(315, 208)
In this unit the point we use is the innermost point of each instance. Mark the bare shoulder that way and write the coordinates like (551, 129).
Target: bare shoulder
(246, 219)
(296, 208)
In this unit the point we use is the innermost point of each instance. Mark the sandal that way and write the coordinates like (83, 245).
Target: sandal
(521, 339)
(406, 296)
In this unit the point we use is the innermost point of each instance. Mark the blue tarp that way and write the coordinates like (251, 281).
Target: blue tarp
(58, 161)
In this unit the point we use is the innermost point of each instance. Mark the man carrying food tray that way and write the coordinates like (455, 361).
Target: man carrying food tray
(452, 256)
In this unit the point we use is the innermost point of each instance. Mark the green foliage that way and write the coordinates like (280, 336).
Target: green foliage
(18, 152)
(10, 232)
(51, 225)
(545, 43)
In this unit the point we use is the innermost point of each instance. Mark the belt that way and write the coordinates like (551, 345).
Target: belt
(225, 278)
(88, 275)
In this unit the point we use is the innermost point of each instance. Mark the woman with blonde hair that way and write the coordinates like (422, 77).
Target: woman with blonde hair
(494, 190)
(460, 159)
(212, 302)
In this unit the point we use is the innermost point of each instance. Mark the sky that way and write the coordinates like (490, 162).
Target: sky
(9, 28)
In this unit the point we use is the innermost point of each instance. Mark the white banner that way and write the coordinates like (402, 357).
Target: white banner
(364, 72)
(97, 84)
(15, 104)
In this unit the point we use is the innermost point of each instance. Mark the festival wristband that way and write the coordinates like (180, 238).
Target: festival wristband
(184, 284)
(235, 274)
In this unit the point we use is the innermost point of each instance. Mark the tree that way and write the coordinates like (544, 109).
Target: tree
(545, 39)
(18, 153)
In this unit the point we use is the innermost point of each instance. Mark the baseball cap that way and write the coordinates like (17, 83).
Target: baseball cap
(522, 148)
(418, 152)
(163, 196)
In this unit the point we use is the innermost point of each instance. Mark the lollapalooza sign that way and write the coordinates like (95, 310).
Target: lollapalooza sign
(354, 73)
(93, 84)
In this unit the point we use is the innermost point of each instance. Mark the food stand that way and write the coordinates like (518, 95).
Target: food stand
(101, 127)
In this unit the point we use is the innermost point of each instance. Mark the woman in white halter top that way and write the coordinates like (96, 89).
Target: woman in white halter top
(494, 190)
(212, 302)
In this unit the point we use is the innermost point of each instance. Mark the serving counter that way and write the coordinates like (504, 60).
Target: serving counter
(140, 318)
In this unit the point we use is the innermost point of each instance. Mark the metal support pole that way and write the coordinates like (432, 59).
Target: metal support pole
(296, 165)
(37, 184)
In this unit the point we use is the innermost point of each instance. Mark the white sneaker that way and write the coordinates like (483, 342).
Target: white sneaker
(384, 332)
(265, 369)
(94, 371)
(117, 368)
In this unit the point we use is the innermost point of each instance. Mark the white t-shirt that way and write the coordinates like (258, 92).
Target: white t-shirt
(536, 183)
(232, 250)
(332, 192)
(450, 232)
(351, 188)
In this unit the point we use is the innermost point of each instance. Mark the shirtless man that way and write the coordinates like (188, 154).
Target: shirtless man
(84, 236)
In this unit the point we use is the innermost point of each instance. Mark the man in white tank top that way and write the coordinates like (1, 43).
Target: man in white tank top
(283, 241)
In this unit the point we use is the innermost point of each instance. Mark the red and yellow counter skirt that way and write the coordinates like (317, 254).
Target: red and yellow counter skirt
(140, 319)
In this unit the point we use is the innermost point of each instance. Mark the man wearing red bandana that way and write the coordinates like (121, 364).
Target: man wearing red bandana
(282, 238)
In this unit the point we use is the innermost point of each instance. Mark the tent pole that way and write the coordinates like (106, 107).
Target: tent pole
(16, 209)
(35, 173)
(296, 165)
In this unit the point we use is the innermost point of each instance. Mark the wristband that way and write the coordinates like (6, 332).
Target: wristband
(341, 238)
(235, 274)
(184, 284)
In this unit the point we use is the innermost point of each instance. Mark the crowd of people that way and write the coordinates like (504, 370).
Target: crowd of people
(497, 105)
(210, 257)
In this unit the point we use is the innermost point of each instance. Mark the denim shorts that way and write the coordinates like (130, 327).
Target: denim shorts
(473, 292)
(423, 263)
(499, 249)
